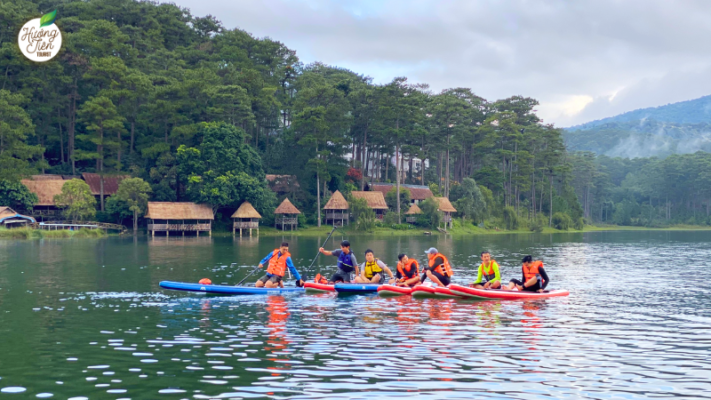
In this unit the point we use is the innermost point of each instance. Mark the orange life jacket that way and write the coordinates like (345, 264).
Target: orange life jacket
(406, 269)
(444, 269)
(532, 271)
(277, 265)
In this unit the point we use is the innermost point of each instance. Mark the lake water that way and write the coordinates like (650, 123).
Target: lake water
(85, 318)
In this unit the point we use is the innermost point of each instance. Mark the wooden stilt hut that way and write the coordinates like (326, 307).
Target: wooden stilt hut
(446, 207)
(246, 217)
(286, 214)
(375, 200)
(412, 213)
(336, 209)
(164, 216)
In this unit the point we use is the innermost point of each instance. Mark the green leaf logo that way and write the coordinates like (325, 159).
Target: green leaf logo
(48, 19)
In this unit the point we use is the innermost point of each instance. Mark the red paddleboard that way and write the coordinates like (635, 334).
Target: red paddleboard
(423, 291)
(318, 287)
(392, 290)
(503, 294)
(445, 293)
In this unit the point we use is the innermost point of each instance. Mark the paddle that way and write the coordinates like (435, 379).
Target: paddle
(317, 253)
(248, 275)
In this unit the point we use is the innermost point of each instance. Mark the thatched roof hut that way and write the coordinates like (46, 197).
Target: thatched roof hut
(417, 192)
(286, 208)
(169, 216)
(375, 200)
(246, 211)
(336, 202)
(445, 205)
(9, 218)
(414, 210)
(246, 217)
(45, 189)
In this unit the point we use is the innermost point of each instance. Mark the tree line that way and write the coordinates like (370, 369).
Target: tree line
(202, 113)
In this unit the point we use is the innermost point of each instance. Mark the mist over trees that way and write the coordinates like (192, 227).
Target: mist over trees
(202, 112)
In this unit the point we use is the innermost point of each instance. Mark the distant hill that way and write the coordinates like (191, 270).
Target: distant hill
(683, 127)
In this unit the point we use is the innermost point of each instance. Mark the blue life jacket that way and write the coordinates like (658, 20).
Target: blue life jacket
(344, 262)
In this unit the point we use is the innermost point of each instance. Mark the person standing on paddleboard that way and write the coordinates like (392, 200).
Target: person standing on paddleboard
(408, 272)
(372, 269)
(439, 271)
(279, 260)
(346, 263)
(489, 276)
(534, 277)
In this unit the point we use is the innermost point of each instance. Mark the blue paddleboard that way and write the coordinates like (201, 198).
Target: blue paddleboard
(220, 289)
(356, 287)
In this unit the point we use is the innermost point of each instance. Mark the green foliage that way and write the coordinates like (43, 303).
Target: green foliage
(471, 205)
(366, 221)
(434, 188)
(390, 218)
(579, 224)
(16, 129)
(431, 217)
(133, 193)
(538, 223)
(76, 200)
(511, 219)
(223, 171)
(16, 196)
(391, 200)
(357, 207)
(562, 221)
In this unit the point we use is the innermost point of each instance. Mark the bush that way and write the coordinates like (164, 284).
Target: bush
(391, 199)
(579, 224)
(511, 220)
(430, 217)
(390, 218)
(538, 223)
(357, 207)
(366, 221)
(86, 233)
(562, 221)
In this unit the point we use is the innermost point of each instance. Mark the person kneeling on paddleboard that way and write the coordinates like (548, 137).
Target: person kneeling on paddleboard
(489, 276)
(372, 269)
(534, 277)
(279, 260)
(439, 271)
(346, 263)
(408, 272)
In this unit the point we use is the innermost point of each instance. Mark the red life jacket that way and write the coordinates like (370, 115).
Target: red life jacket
(444, 269)
(406, 269)
(532, 270)
(277, 265)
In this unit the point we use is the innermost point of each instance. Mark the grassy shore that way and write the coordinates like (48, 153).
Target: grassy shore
(29, 233)
(466, 230)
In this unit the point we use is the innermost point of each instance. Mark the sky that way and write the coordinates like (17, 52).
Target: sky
(582, 60)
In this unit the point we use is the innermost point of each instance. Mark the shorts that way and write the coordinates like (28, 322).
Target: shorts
(273, 279)
(533, 288)
(376, 274)
(341, 276)
(442, 278)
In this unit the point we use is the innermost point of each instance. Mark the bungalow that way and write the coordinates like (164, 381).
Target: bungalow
(246, 217)
(336, 209)
(412, 213)
(45, 189)
(446, 207)
(286, 214)
(165, 216)
(375, 200)
(418, 193)
(110, 185)
(11, 219)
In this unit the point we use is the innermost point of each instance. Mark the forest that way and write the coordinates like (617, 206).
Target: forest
(201, 113)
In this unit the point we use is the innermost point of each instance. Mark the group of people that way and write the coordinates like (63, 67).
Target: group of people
(408, 273)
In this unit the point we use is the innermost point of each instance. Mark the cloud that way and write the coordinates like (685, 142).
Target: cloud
(581, 60)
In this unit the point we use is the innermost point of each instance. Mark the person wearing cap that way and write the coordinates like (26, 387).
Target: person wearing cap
(439, 271)
(372, 269)
(346, 262)
(279, 260)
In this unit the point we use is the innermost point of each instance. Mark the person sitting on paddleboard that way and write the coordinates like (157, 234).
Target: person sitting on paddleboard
(279, 260)
(439, 271)
(372, 269)
(346, 262)
(408, 272)
(534, 277)
(489, 276)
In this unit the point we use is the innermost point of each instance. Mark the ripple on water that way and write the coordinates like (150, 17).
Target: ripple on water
(13, 389)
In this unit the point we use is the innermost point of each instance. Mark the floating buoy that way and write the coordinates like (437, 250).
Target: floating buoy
(205, 281)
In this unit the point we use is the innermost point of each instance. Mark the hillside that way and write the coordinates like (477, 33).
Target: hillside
(678, 128)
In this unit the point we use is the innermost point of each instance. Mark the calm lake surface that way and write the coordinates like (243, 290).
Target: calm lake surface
(85, 318)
